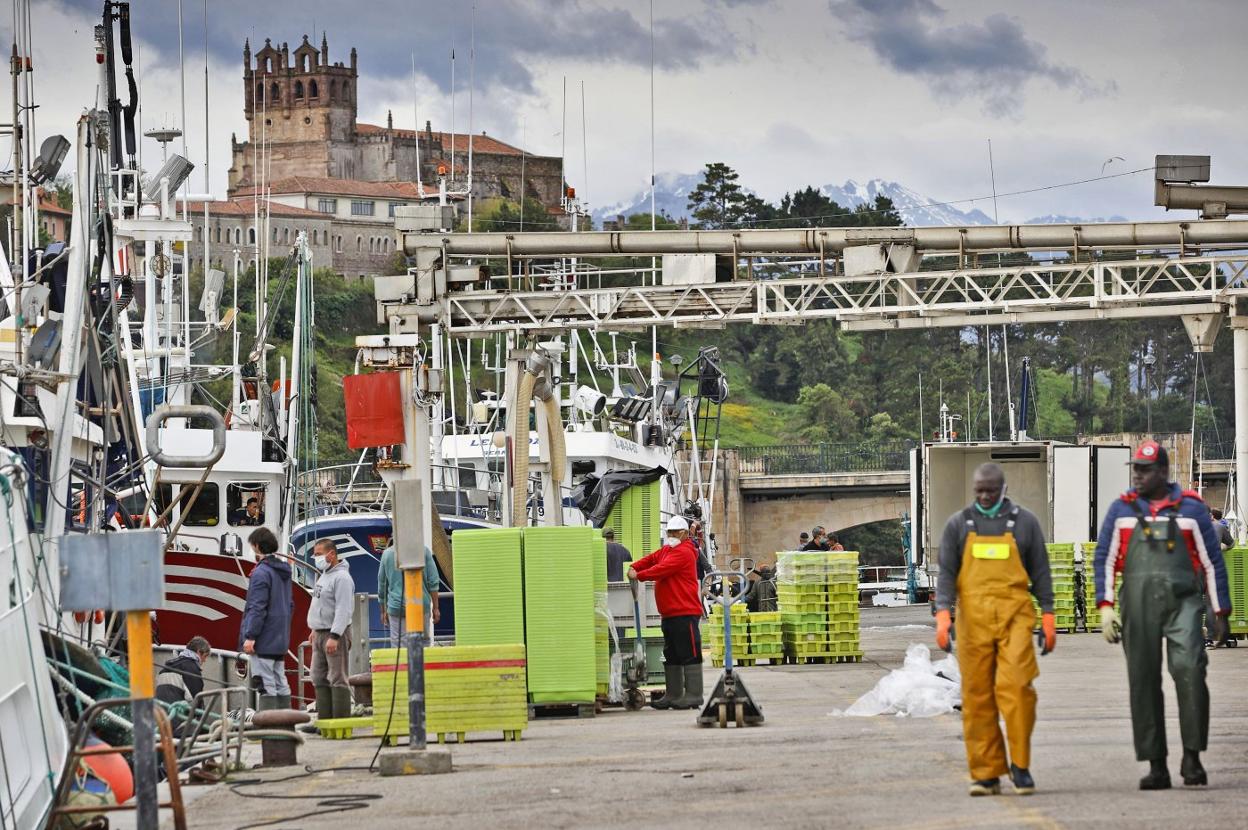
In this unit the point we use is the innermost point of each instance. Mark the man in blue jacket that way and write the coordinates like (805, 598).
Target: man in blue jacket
(390, 596)
(265, 632)
(1161, 539)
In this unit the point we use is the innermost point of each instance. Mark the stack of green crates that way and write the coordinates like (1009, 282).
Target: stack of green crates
(713, 632)
(653, 638)
(637, 520)
(766, 636)
(843, 617)
(818, 596)
(1237, 575)
(1089, 586)
(1062, 571)
(602, 614)
(559, 614)
(489, 587)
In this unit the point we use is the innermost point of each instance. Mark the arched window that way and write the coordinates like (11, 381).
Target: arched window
(275, 93)
(303, 67)
(268, 64)
(275, 234)
(333, 90)
(313, 91)
(251, 236)
(299, 88)
(259, 93)
(359, 244)
(370, 244)
(238, 236)
(218, 234)
(286, 234)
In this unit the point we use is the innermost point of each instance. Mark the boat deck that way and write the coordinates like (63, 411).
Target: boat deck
(803, 768)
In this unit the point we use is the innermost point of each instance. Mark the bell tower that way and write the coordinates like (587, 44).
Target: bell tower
(302, 105)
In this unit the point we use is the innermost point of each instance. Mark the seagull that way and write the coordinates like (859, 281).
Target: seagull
(1110, 161)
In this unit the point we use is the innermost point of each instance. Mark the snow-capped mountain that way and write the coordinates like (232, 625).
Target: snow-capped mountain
(915, 209)
(671, 196)
(1059, 219)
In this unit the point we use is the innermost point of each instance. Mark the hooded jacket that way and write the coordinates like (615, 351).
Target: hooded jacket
(332, 601)
(674, 572)
(266, 616)
(1195, 527)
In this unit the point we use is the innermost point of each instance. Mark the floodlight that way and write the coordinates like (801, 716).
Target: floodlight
(48, 163)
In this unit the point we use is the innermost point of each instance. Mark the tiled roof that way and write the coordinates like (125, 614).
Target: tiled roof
(321, 185)
(245, 206)
(480, 143)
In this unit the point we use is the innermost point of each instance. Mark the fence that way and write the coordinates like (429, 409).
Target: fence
(818, 459)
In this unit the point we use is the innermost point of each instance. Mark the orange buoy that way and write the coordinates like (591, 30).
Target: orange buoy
(113, 770)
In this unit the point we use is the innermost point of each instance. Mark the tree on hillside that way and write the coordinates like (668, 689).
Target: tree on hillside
(504, 215)
(641, 222)
(825, 416)
(718, 201)
(808, 208)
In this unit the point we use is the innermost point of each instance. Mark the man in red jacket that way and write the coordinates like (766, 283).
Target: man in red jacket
(673, 569)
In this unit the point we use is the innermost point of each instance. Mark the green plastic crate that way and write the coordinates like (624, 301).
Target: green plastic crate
(489, 587)
(559, 614)
(636, 519)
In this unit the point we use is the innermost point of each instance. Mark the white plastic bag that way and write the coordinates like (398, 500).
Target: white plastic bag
(919, 689)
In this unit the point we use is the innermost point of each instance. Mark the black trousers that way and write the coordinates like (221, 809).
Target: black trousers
(682, 641)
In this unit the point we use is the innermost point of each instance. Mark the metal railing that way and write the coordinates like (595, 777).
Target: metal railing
(819, 459)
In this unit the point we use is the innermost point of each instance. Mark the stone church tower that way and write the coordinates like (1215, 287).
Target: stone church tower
(303, 108)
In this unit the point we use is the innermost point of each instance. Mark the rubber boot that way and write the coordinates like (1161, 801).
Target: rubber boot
(1192, 771)
(324, 709)
(693, 688)
(342, 701)
(283, 701)
(266, 703)
(673, 690)
(1158, 777)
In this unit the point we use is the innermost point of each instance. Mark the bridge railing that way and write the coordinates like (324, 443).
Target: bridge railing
(823, 458)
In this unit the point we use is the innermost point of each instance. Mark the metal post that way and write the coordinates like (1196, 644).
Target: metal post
(143, 689)
(414, 612)
(1241, 425)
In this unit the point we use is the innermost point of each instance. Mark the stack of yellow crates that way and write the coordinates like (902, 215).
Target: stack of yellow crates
(818, 595)
(713, 632)
(467, 689)
(766, 637)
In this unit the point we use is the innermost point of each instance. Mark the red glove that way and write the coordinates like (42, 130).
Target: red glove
(943, 621)
(1048, 624)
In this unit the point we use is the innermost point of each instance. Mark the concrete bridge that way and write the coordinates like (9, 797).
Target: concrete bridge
(766, 496)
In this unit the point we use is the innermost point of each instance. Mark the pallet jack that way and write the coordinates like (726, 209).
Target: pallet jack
(730, 700)
(633, 666)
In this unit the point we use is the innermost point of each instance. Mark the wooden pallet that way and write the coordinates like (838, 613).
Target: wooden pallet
(542, 711)
(823, 659)
(462, 737)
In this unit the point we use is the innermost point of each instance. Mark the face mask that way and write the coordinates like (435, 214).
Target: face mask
(320, 562)
(671, 541)
(991, 512)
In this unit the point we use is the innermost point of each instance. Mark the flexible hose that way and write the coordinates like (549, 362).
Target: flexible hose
(518, 429)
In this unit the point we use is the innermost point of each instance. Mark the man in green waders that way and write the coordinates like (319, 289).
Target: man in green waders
(1161, 539)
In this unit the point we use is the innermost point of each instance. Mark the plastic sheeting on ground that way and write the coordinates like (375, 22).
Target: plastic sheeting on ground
(919, 689)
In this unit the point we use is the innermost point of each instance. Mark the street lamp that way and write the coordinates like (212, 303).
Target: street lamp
(1149, 362)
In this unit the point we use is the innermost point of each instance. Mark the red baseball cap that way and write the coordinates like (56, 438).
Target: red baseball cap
(1149, 453)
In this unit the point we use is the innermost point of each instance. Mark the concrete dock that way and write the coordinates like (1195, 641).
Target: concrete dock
(802, 769)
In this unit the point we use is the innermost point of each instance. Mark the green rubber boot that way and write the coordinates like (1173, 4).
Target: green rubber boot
(283, 701)
(342, 701)
(266, 703)
(324, 709)
(675, 688)
(693, 688)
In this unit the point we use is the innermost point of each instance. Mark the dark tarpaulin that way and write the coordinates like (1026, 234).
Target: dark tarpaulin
(596, 496)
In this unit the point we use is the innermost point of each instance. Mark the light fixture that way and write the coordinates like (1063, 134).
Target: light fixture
(48, 163)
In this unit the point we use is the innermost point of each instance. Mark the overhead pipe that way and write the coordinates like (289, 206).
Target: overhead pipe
(757, 242)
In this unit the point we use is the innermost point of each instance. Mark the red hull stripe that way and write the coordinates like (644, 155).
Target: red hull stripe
(463, 664)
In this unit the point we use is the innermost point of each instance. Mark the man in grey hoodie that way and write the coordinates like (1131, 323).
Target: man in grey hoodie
(329, 617)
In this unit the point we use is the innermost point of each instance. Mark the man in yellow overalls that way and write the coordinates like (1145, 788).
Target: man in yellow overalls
(990, 554)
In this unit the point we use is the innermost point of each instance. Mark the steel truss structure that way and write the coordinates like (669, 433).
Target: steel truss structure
(1031, 293)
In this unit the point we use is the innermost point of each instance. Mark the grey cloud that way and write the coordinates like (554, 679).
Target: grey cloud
(992, 60)
(509, 34)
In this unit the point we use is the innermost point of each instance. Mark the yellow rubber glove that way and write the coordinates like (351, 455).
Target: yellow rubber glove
(943, 621)
(1111, 626)
(1048, 625)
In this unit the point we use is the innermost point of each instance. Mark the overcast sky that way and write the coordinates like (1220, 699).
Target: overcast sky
(789, 92)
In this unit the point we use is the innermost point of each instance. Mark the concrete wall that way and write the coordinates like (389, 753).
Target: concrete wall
(772, 523)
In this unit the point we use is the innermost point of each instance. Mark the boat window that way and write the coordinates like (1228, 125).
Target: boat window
(244, 503)
(467, 477)
(204, 512)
